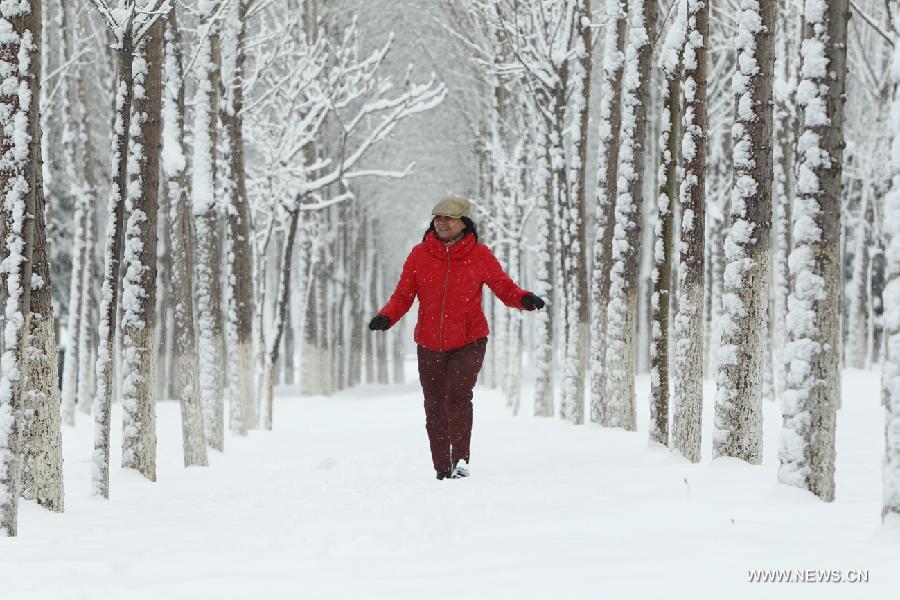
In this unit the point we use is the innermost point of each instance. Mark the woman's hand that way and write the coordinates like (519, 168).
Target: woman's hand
(381, 323)
(532, 302)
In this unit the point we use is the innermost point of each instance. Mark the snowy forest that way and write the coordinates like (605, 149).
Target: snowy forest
(204, 203)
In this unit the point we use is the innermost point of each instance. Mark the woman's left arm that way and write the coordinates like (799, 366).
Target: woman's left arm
(500, 283)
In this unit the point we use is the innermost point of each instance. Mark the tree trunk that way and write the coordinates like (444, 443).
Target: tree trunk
(41, 441)
(544, 338)
(814, 319)
(664, 235)
(71, 359)
(179, 221)
(208, 251)
(281, 299)
(74, 116)
(358, 304)
(783, 190)
(623, 291)
(240, 237)
(139, 386)
(890, 381)
(742, 357)
(86, 323)
(688, 326)
(607, 188)
(19, 181)
(577, 344)
(858, 305)
(112, 252)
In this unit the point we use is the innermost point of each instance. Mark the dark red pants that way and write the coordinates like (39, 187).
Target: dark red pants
(447, 380)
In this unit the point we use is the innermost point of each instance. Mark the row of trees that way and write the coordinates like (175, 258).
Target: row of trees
(721, 171)
(670, 175)
(239, 130)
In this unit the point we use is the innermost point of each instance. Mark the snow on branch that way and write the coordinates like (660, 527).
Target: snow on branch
(131, 17)
(320, 105)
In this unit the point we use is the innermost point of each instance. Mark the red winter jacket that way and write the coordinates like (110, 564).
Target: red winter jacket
(448, 281)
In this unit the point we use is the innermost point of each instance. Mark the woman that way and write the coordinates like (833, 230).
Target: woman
(447, 272)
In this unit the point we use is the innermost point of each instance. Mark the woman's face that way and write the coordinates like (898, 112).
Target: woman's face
(448, 228)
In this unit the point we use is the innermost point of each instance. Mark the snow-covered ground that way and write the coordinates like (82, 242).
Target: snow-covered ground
(340, 501)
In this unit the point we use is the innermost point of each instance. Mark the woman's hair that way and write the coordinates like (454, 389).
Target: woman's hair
(470, 228)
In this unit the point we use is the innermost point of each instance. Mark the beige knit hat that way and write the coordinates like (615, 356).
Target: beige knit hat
(453, 206)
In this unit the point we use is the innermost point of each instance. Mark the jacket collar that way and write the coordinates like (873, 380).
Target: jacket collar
(457, 251)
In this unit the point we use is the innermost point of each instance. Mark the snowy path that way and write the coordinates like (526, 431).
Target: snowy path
(340, 501)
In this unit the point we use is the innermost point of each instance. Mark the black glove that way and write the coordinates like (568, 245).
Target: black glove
(380, 323)
(532, 302)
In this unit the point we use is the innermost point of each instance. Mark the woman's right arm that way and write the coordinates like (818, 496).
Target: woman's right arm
(404, 294)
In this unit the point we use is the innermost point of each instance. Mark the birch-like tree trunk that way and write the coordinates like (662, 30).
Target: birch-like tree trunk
(87, 324)
(281, 307)
(858, 305)
(41, 439)
(179, 221)
(115, 226)
(544, 336)
(72, 360)
(890, 508)
(785, 124)
(607, 187)
(358, 303)
(240, 316)
(19, 181)
(688, 325)
(621, 353)
(73, 121)
(814, 318)
(577, 344)
(669, 62)
(742, 358)
(210, 334)
(286, 358)
(139, 364)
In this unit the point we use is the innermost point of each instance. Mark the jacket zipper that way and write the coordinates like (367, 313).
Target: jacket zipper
(444, 302)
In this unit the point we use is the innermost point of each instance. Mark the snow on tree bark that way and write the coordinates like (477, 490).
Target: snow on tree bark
(813, 354)
(688, 325)
(102, 404)
(785, 123)
(663, 246)
(891, 302)
(18, 181)
(86, 338)
(127, 25)
(139, 365)
(623, 291)
(41, 439)
(239, 326)
(607, 182)
(73, 124)
(210, 335)
(87, 330)
(174, 167)
(544, 358)
(577, 344)
(742, 359)
(281, 308)
(858, 286)
(73, 325)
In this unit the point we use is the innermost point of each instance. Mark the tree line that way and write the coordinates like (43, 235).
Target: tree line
(733, 228)
(238, 132)
(699, 190)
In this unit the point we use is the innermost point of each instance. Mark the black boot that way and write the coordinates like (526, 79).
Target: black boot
(447, 474)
